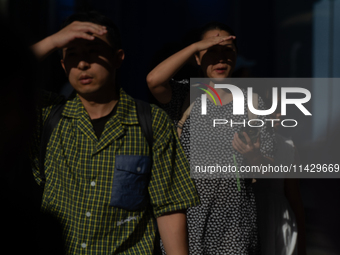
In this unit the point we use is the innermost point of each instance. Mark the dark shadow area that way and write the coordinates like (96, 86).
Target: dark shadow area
(25, 228)
(275, 38)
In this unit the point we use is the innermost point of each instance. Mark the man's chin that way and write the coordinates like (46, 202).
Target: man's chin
(98, 94)
(86, 89)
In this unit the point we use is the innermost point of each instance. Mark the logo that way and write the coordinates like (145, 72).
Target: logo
(205, 96)
(238, 104)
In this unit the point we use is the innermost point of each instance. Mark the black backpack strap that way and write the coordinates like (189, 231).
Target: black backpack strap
(144, 118)
(50, 124)
(145, 121)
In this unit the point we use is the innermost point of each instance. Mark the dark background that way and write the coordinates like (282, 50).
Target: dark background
(277, 38)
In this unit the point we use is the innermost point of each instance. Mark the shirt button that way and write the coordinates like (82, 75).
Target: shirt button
(88, 214)
(93, 183)
(138, 169)
(83, 245)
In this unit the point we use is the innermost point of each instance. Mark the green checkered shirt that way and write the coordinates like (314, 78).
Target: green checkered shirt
(79, 170)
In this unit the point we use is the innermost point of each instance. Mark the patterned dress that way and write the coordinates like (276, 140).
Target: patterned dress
(225, 222)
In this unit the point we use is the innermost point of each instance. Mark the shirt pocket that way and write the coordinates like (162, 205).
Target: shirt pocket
(130, 182)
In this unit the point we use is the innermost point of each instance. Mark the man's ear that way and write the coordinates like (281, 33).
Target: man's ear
(198, 61)
(119, 57)
(63, 65)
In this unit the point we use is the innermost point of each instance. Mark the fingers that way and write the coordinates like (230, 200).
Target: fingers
(86, 30)
(62, 38)
(88, 27)
(238, 144)
(77, 29)
(227, 40)
(249, 142)
(214, 40)
(257, 144)
(85, 36)
(230, 37)
(243, 148)
(237, 147)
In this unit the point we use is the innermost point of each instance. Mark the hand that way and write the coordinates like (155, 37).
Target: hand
(76, 29)
(250, 151)
(215, 40)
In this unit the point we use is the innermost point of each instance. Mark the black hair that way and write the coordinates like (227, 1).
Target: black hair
(216, 25)
(113, 34)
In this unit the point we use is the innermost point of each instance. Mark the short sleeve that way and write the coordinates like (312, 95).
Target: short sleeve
(171, 187)
(180, 90)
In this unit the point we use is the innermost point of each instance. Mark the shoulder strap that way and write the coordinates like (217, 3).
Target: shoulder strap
(187, 113)
(145, 121)
(50, 124)
(144, 118)
(256, 106)
(183, 119)
(188, 110)
(252, 115)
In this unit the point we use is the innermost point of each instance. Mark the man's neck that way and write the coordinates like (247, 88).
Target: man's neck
(99, 108)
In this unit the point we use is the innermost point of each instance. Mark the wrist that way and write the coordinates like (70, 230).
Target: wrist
(44, 48)
(254, 158)
(195, 47)
(51, 43)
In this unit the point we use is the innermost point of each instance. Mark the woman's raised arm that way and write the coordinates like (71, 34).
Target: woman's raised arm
(158, 79)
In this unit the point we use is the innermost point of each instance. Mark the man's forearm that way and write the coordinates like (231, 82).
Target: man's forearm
(173, 230)
(43, 48)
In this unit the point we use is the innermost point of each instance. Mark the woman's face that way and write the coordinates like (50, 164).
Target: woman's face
(218, 61)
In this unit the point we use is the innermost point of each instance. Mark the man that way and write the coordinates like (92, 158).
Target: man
(98, 147)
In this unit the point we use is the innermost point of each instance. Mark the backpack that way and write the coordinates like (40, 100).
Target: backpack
(144, 119)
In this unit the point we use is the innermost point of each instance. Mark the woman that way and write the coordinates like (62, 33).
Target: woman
(225, 222)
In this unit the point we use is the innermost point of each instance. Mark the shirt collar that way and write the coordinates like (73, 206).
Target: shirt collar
(126, 109)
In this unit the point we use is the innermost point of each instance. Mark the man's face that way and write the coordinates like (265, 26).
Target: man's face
(90, 65)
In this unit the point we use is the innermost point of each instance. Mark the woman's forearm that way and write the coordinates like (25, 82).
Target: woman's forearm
(163, 72)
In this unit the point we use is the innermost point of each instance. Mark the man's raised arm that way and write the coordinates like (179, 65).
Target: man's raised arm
(59, 40)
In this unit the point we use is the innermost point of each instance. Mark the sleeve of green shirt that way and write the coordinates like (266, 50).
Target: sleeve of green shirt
(171, 187)
(47, 101)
